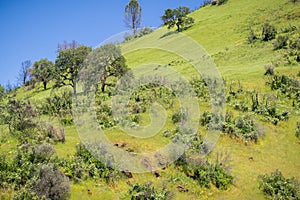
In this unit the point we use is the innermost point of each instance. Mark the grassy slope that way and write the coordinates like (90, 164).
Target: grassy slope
(222, 31)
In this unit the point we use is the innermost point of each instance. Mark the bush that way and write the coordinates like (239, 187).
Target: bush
(269, 70)
(210, 173)
(147, 192)
(281, 42)
(268, 32)
(277, 187)
(179, 116)
(51, 183)
(252, 37)
(221, 2)
(218, 2)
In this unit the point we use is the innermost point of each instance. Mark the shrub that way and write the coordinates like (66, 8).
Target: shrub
(210, 173)
(277, 187)
(221, 2)
(298, 130)
(59, 104)
(51, 183)
(268, 32)
(179, 116)
(252, 37)
(269, 70)
(19, 116)
(147, 191)
(281, 42)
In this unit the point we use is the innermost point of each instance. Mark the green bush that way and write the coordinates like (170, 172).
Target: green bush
(147, 192)
(179, 116)
(281, 42)
(252, 37)
(221, 2)
(268, 32)
(269, 70)
(277, 187)
(210, 173)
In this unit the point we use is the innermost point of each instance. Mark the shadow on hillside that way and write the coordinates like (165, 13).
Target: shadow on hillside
(168, 34)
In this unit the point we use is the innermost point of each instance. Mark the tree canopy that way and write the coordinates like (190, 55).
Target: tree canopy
(104, 62)
(42, 71)
(177, 17)
(68, 64)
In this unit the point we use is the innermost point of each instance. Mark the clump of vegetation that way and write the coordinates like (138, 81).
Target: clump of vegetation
(147, 191)
(288, 86)
(242, 127)
(281, 42)
(200, 88)
(59, 104)
(138, 34)
(179, 116)
(276, 186)
(298, 130)
(218, 2)
(84, 165)
(208, 173)
(33, 174)
(268, 32)
(269, 70)
(252, 37)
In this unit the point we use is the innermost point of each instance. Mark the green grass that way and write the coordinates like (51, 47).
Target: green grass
(222, 31)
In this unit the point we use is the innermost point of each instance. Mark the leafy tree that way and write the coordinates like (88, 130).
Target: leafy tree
(133, 15)
(68, 64)
(177, 17)
(104, 62)
(42, 71)
(24, 72)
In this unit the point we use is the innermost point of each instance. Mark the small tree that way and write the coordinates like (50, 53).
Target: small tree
(24, 72)
(177, 17)
(42, 71)
(133, 15)
(68, 64)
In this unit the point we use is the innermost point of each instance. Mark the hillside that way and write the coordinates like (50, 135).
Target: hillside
(221, 34)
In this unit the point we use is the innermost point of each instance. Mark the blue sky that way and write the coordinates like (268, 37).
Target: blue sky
(32, 29)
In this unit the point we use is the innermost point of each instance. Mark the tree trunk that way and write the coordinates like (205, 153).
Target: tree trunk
(103, 87)
(45, 85)
(178, 27)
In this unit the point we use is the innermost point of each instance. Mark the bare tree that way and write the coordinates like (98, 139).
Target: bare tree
(24, 74)
(65, 45)
(133, 15)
